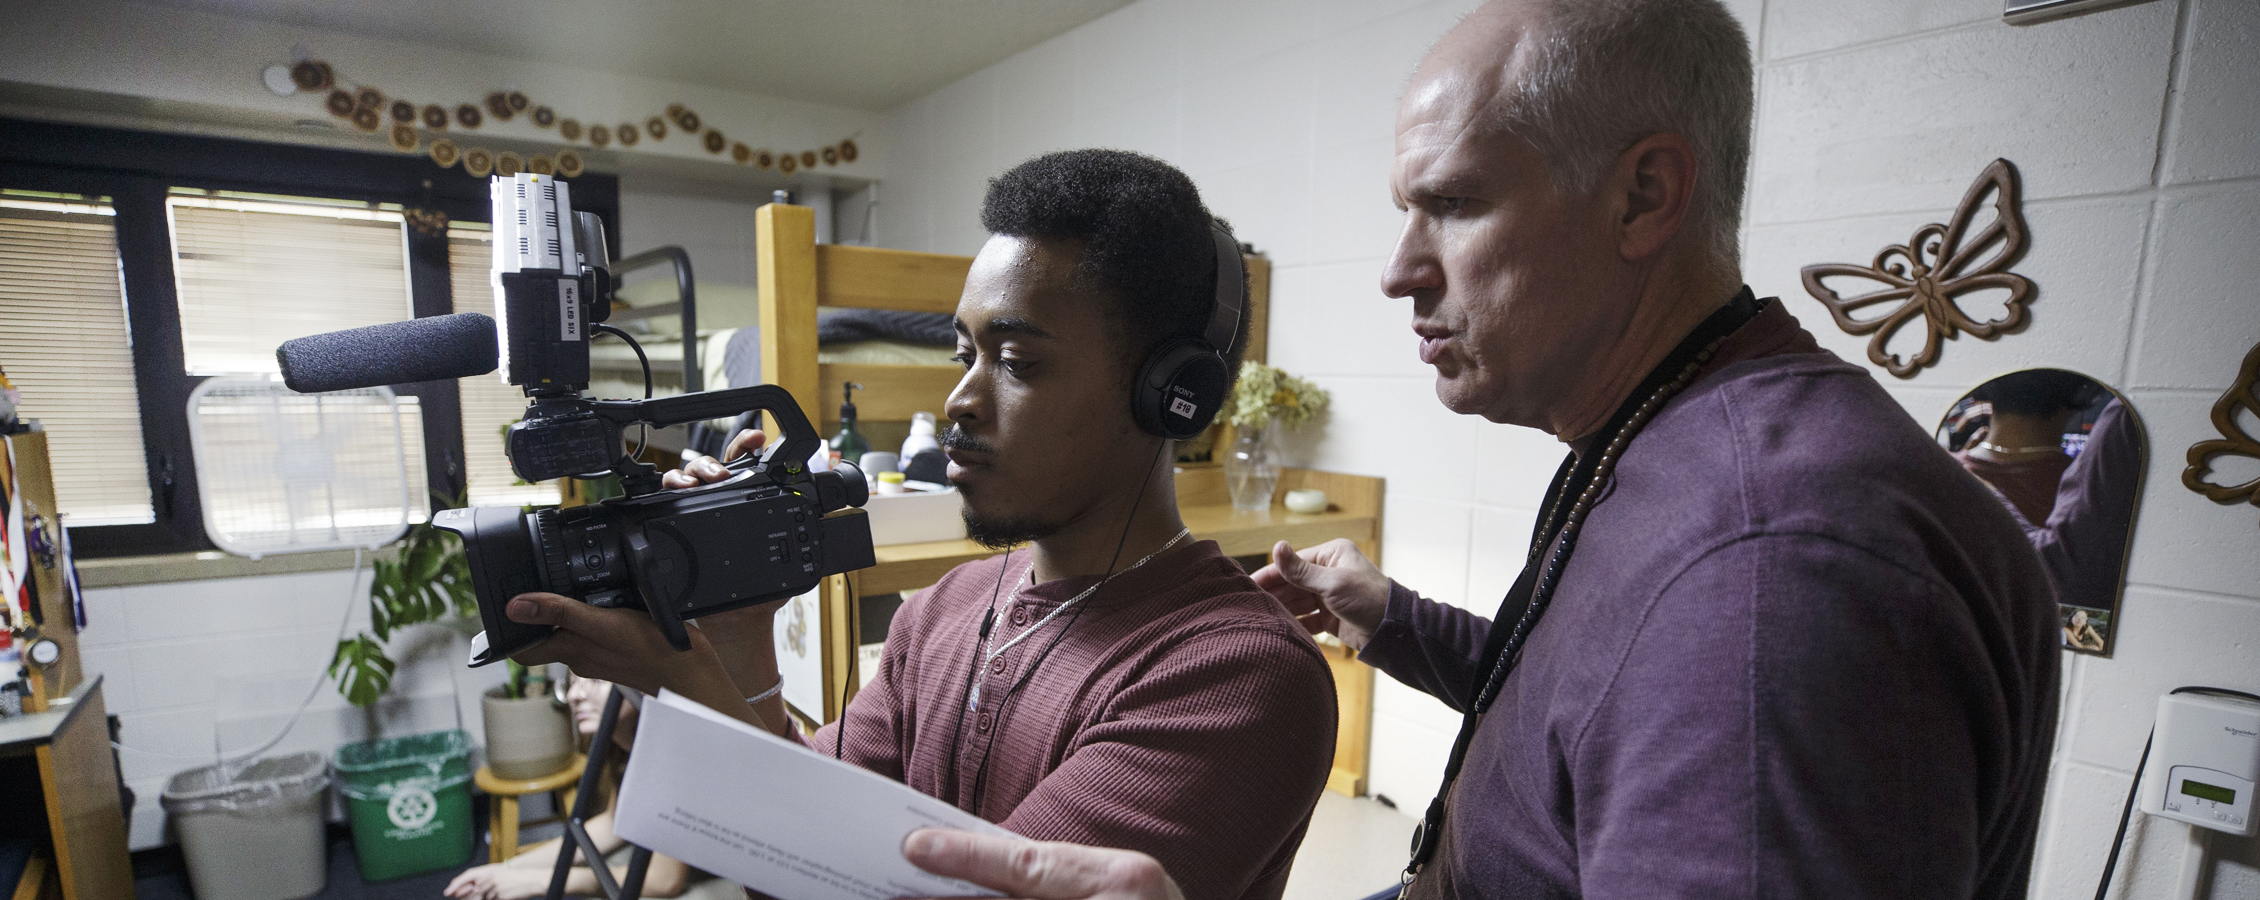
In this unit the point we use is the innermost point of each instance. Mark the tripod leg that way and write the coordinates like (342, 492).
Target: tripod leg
(600, 747)
(639, 862)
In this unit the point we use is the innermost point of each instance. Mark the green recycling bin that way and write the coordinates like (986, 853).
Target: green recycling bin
(409, 799)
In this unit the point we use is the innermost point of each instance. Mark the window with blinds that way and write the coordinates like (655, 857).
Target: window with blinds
(255, 271)
(489, 403)
(64, 343)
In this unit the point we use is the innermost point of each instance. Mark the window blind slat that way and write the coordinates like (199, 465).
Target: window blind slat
(254, 274)
(64, 342)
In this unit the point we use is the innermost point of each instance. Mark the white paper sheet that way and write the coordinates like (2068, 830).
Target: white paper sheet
(774, 816)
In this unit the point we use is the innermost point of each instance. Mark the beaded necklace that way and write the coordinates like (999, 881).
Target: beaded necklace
(1560, 530)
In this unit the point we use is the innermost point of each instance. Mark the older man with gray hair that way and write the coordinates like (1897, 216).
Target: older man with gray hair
(1770, 640)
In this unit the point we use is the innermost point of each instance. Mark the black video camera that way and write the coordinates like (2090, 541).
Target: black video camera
(773, 530)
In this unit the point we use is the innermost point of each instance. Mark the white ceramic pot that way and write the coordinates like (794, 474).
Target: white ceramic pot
(526, 738)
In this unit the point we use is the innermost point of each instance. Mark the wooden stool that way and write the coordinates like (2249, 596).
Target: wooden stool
(503, 794)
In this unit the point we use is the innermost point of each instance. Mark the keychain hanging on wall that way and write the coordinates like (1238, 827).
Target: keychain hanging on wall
(15, 554)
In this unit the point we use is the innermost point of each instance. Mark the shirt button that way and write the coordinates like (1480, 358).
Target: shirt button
(1019, 618)
(997, 665)
(982, 724)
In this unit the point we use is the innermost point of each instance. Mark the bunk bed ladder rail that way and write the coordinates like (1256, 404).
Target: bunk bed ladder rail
(688, 306)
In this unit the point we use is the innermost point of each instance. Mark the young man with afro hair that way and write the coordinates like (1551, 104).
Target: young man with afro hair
(1111, 681)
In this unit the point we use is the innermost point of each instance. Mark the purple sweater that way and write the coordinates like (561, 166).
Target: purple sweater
(1799, 653)
(2084, 542)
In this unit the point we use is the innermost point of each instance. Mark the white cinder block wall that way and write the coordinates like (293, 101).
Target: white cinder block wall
(2134, 130)
(193, 666)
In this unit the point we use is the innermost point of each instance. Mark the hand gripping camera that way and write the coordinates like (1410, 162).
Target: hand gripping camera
(770, 531)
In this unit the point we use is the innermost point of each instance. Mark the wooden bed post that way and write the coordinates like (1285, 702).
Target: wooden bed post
(785, 249)
(785, 244)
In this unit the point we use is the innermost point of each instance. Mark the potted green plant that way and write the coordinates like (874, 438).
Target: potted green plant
(427, 580)
(1264, 401)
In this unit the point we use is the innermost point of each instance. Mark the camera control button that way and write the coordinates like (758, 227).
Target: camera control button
(806, 556)
(803, 537)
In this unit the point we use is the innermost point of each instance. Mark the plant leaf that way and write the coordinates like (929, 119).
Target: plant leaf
(362, 670)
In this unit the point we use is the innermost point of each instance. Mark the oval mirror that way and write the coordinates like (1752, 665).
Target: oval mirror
(2065, 454)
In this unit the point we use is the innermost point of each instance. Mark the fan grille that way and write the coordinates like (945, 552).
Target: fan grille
(283, 472)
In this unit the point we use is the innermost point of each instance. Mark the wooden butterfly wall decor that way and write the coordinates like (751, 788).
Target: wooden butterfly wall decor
(1919, 281)
(2243, 395)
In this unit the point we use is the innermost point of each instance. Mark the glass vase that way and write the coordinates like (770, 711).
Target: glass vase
(1251, 467)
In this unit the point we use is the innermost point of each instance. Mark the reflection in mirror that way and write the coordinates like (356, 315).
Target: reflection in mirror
(2064, 453)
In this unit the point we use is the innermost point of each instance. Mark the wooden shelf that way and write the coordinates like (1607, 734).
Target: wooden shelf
(19, 735)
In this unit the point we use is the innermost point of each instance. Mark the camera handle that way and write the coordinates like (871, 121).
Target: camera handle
(800, 439)
(639, 478)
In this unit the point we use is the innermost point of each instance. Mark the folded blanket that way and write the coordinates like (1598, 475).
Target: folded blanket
(850, 325)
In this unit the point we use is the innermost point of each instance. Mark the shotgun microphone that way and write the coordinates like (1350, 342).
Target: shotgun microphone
(428, 349)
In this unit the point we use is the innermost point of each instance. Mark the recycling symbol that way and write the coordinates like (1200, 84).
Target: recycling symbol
(412, 808)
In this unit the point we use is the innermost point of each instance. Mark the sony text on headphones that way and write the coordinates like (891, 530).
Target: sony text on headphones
(1181, 386)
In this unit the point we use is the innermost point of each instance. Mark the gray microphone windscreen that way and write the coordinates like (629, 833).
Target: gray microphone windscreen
(428, 349)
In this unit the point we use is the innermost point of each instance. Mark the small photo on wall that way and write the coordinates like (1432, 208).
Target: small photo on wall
(2084, 628)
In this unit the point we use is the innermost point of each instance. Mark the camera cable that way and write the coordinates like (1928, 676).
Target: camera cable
(981, 771)
(222, 758)
(643, 434)
(2111, 863)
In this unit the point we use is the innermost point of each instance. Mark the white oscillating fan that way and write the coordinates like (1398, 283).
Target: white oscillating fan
(284, 472)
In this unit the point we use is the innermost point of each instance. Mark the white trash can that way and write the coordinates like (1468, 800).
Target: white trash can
(256, 836)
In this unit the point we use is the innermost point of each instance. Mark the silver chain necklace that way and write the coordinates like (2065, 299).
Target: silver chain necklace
(973, 697)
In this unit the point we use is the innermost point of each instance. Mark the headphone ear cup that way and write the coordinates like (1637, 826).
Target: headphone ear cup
(1179, 390)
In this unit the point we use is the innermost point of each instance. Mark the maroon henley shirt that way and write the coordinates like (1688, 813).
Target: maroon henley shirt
(1183, 714)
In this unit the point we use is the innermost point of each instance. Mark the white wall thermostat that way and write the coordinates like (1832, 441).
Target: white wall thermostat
(2204, 761)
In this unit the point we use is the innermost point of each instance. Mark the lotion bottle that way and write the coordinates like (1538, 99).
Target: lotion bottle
(921, 436)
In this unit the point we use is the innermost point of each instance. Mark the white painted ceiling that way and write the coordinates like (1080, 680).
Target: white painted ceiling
(863, 54)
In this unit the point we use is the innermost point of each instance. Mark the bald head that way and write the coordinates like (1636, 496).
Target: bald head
(1571, 174)
(1581, 81)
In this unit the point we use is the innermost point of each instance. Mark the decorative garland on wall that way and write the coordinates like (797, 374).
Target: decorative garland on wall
(1925, 275)
(405, 125)
(2243, 394)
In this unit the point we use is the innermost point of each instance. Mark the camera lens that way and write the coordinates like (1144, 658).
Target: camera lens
(499, 543)
(581, 556)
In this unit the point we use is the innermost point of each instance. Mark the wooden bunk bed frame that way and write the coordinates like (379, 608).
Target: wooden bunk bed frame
(798, 275)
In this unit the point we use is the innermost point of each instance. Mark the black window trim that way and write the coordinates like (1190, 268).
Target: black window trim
(136, 169)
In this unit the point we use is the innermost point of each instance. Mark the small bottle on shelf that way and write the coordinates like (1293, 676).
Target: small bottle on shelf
(849, 444)
(921, 436)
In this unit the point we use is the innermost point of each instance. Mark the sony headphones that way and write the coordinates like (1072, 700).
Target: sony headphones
(1181, 386)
